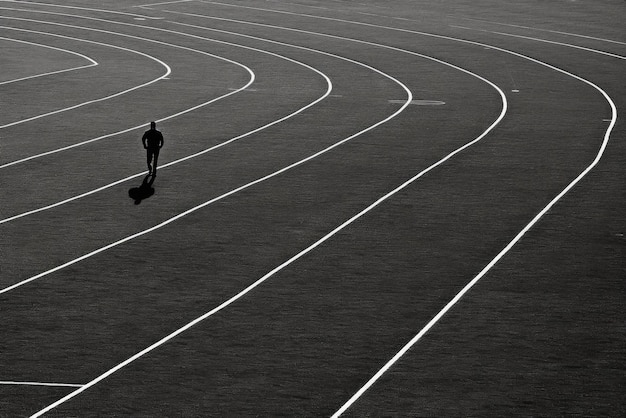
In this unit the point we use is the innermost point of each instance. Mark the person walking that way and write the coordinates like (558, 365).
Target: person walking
(153, 142)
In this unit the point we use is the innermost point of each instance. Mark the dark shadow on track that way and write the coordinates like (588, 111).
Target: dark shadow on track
(144, 191)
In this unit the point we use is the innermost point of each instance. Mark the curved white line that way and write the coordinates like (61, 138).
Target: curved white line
(168, 71)
(224, 304)
(371, 25)
(299, 255)
(595, 51)
(268, 275)
(293, 165)
(13, 383)
(549, 31)
(79, 8)
(93, 62)
(490, 265)
(516, 239)
(191, 109)
(95, 381)
(500, 255)
(197, 154)
(165, 2)
(245, 186)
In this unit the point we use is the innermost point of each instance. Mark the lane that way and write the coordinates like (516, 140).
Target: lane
(247, 357)
(28, 91)
(384, 104)
(192, 94)
(137, 175)
(558, 129)
(302, 151)
(382, 59)
(16, 61)
(289, 305)
(535, 337)
(185, 158)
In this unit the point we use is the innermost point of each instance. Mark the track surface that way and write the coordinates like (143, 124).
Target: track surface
(403, 208)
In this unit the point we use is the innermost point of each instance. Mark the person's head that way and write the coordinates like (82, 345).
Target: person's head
(152, 125)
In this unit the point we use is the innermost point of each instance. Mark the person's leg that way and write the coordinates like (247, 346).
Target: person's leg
(149, 154)
(156, 158)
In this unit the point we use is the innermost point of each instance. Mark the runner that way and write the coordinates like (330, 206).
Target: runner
(152, 141)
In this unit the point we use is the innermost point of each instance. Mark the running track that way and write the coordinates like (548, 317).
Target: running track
(362, 209)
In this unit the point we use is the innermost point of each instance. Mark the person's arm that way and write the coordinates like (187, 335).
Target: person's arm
(161, 140)
(143, 140)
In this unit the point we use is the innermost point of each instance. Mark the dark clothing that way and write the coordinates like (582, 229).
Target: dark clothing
(152, 142)
(152, 139)
(153, 157)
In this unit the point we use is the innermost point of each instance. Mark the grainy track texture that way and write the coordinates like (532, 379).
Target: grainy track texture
(334, 174)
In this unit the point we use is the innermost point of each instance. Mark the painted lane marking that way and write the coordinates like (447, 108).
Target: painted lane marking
(548, 30)
(421, 102)
(177, 161)
(595, 51)
(139, 174)
(371, 25)
(75, 7)
(515, 239)
(247, 89)
(327, 93)
(241, 294)
(13, 383)
(93, 62)
(168, 71)
(245, 186)
(489, 266)
(191, 109)
(467, 145)
(265, 277)
(165, 2)
(615, 115)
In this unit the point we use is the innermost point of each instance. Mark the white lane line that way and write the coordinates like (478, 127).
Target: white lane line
(326, 94)
(111, 371)
(420, 102)
(222, 144)
(237, 34)
(595, 51)
(293, 259)
(242, 293)
(614, 118)
(549, 31)
(368, 384)
(168, 71)
(371, 25)
(93, 63)
(245, 186)
(490, 265)
(13, 383)
(276, 269)
(328, 36)
(165, 2)
(76, 8)
(191, 109)
(227, 302)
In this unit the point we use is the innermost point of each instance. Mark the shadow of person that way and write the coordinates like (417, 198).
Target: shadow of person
(144, 191)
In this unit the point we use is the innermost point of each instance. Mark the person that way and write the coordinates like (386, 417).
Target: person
(152, 141)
